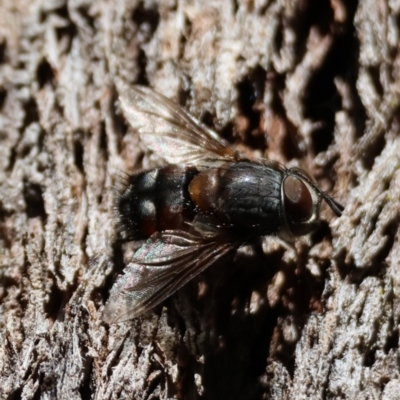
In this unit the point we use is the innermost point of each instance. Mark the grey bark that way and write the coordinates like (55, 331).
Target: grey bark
(314, 84)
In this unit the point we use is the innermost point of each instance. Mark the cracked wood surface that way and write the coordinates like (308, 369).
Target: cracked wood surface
(314, 84)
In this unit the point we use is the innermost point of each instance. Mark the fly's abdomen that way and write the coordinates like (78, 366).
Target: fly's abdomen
(156, 200)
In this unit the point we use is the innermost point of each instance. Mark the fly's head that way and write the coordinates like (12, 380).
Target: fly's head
(301, 200)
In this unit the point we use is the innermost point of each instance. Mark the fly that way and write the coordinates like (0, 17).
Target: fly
(208, 201)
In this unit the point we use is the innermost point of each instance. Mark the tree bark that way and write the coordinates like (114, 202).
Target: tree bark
(308, 83)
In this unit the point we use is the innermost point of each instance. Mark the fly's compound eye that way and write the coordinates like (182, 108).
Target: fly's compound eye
(300, 205)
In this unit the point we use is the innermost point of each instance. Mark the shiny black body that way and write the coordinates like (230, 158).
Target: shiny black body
(248, 198)
(201, 207)
(245, 201)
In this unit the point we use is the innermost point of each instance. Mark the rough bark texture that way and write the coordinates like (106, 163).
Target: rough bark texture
(313, 83)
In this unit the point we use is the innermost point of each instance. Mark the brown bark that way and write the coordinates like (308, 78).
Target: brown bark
(313, 83)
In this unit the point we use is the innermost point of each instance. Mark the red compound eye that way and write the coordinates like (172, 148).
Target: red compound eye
(298, 205)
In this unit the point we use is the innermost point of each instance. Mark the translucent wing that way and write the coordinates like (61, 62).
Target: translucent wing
(168, 130)
(161, 266)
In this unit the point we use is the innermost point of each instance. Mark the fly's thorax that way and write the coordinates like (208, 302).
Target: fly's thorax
(242, 196)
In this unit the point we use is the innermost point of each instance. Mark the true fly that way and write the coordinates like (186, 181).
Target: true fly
(206, 203)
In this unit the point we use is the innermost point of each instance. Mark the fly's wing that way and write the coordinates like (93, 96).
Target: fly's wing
(169, 131)
(161, 266)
